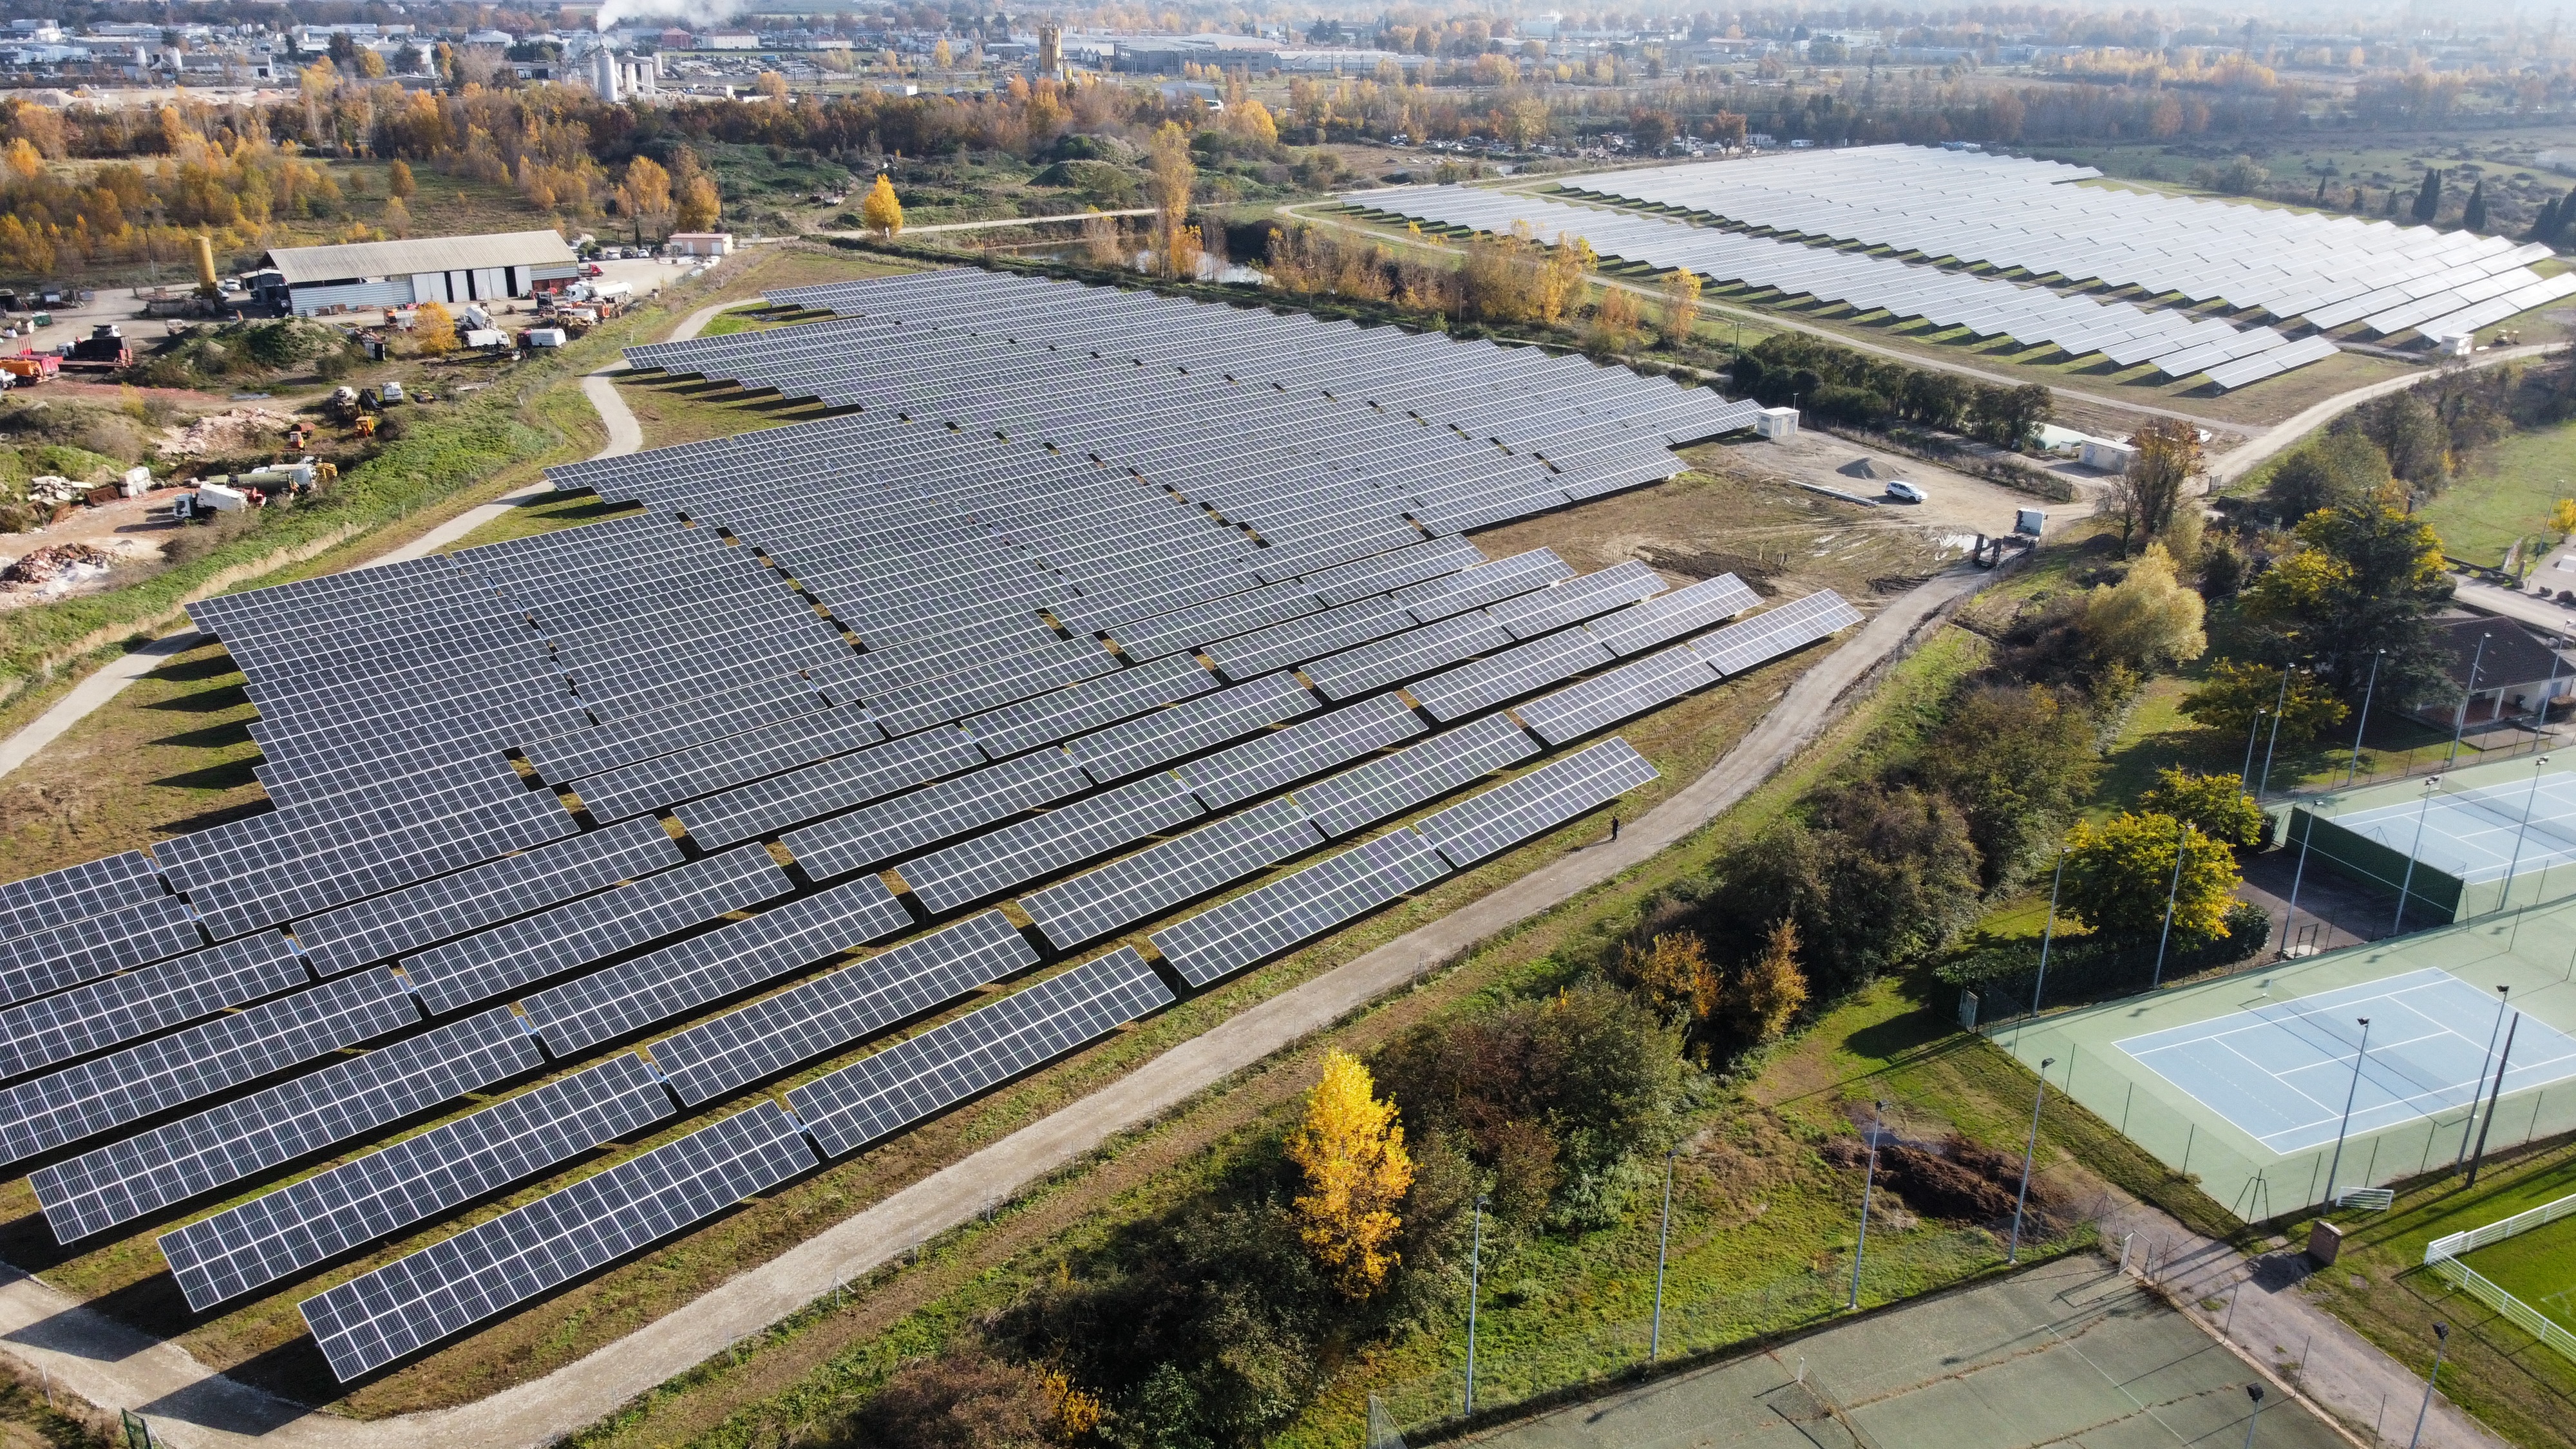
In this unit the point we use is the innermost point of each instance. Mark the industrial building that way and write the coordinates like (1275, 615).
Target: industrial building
(447, 270)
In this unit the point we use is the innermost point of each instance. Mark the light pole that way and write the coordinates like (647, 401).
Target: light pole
(1663, 1240)
(2484, 1063)
(2253, 732)
(2368, 692)
(2441, 1341)
(2264, 784)
(2047, 934)
(2173, 893)
(2478, 1158)
(2254, 1392)
(1877, 1118)
(2297, 878)
(2028, 1151)
(2432, 785)
(2460, 718)
(1475, 1274)
(2349, 1096)
(2538, 767)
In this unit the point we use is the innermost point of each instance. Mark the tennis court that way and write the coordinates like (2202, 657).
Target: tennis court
(2281, 1073)
(2459, 844)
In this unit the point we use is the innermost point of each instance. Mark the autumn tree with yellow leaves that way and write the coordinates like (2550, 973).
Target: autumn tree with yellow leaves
(1350, 1149)
(433, 329)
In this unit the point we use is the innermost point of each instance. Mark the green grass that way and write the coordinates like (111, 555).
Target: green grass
(2538, 1267)
(2380, 1286)
(2505, 494)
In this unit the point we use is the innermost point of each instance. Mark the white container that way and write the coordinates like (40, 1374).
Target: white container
(136, 482)
(2103, 457)
(482, 337)
(221, 498)
(1777, 424)
(543, 337)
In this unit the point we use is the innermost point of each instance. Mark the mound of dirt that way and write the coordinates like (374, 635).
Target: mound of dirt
(1866, 468)
(1955, 1180)
(56, 563)
(239, 430)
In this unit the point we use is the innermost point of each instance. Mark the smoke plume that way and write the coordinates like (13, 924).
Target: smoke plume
(692, 13)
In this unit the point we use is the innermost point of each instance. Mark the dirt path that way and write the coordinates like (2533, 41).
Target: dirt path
(2260, 1312)
(189, 1405)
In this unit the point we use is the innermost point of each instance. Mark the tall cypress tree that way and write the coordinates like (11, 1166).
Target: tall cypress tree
(2428, 202)
(2474, 215)
(2321, 191)
(2546, 223)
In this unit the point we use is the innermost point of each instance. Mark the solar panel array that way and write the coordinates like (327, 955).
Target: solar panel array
(543, 799)
(2176, 343)
(2015, 214)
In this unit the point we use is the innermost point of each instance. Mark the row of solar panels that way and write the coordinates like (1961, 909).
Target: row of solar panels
(2014, 214)
(2173, 341)
(740, 1056)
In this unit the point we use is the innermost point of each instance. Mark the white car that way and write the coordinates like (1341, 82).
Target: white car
(1904, 492)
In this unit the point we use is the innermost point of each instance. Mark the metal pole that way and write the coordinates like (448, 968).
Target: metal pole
(2432, 784)
(2253, 732)
(2275, 741)
(1475, 1274)
(2029, 1150)
(2478, 1158)
(2350, 1095)
(1877, 1114)
(2182, 847)
(2484, 1063)
(1663, 1240)
(2047, 935)
(2460, 717)
(2254, 1392)
(2368, 691)
(2529, 803)
(2441, 1341)
(2297, 878)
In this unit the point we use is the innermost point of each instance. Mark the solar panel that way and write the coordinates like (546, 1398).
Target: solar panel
(1576, 599)
(83, 1101)
(823, 1015)
(1142, 885)
(1189, 727)
(914, 1079)
(747, 811)
(1408, 655)
(1269, 919)
(312, 1221)
(488, 963)
(92, 888)
(1683, 611)
(89, 1018)
(1259, 766)
(704, 769)
(385, 926)
(141, 1174)
(1483, 584)
(1471, 688)
(1768, 635)
(1622, 693)
(1537, 802)
(1384, 788)
(1092, 703)
(87, 949)
(375, 1319)
(987, 864)
(884, 831)
(658, 985)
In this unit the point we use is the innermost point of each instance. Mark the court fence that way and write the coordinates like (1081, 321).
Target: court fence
(2443, 1255)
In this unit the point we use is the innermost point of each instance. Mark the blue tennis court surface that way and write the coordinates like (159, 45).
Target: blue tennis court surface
(2281, 1072)
(2478, 834)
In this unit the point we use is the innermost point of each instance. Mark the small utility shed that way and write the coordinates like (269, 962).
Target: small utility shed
(446, 269)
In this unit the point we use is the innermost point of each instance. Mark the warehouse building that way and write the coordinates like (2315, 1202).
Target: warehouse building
(448, 269)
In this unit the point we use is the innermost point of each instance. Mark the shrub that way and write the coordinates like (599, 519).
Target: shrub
(961, 1400)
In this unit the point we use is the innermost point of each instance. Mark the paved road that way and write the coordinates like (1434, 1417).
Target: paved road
(110, 679)
(2235, 462)
(191, 1406)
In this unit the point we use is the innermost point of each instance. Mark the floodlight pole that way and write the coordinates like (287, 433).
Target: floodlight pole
(2280, 701)
(2369, 691)
(2028, 1151)
(2441, 1341)
(2484, 1062)
(1475, 1271)
(1663, 1241)
(2432, 784)
(2530, 802)
(2047, 934)
(2350, 1095)
(2494, 1094)
(2297, 878)
(2254, 1392)
(2460, 717)
(2173, 893)
(2253, 732)
(1860, 1251)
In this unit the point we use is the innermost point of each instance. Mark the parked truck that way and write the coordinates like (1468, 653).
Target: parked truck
(103, 350)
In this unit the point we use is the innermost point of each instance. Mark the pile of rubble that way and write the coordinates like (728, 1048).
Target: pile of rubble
(224, 434)
(60, 564)
(48, 490)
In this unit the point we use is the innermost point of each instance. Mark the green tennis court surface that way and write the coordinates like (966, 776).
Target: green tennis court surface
(2068, 1352)
(2538, 1267)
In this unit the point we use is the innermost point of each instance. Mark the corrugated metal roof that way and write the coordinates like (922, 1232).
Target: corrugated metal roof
(426, 254)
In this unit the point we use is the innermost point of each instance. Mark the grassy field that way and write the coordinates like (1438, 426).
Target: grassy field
(2538, 1267)
(2380, 1286)
(2505, 493)
(2376, 159)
